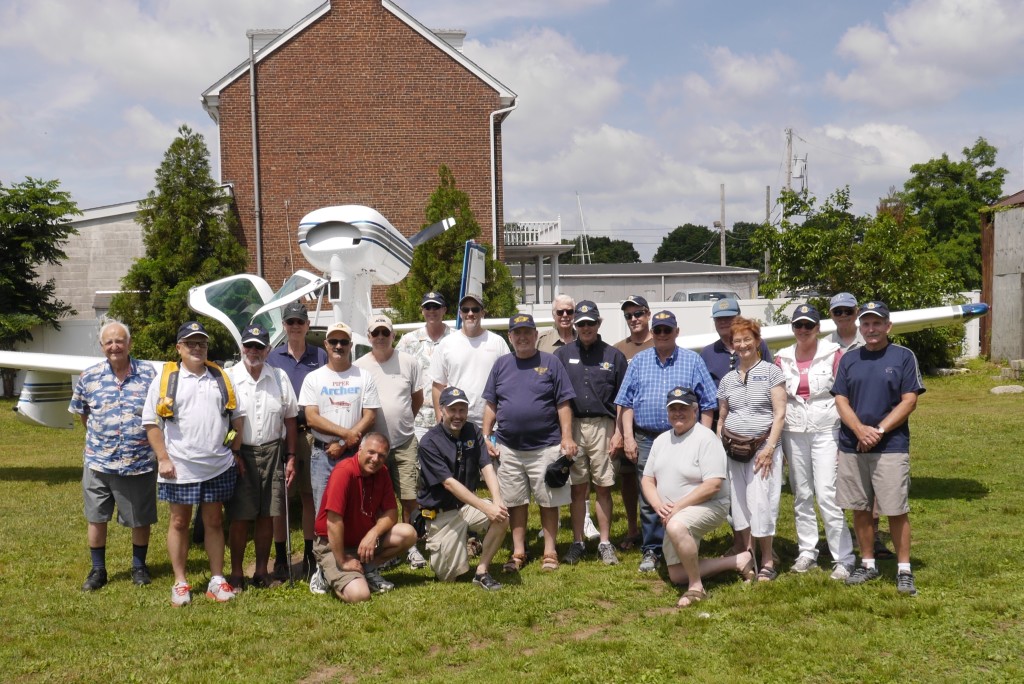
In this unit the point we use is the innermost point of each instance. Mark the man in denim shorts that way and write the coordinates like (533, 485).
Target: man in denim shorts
(197, 451)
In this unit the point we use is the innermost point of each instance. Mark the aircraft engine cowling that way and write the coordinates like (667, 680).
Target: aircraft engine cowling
(44, 400)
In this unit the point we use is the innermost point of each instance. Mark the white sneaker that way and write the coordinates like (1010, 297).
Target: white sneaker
(318, 583)
(416, 559)
(590, 532)
(219, 590)
(181, 594)
(841, 572)
(803, 564)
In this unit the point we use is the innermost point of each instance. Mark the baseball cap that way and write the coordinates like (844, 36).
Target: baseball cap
(479, 299)
(843, 299)
(681, 395)
(556, 475)
(635, 300)
(255, 333)
(453, 395)
(586, 311)
(434, 298)
(806, 312)
(191, 329)
(875, 308)
(663, 318)
(339, 327)
(521, 320)
(381, 321)
(725, 307)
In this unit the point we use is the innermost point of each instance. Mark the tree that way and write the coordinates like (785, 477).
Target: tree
(947, 197)
(437, 264)
(187, 230)
(884, 257)
(35, 222)
(690, 242)
(740, 250)
(603, 250)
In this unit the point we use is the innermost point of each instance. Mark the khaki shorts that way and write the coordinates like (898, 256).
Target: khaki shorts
(700, 519)
(521, 473)
(303, 448)
(593, 462)
(404, 468)
(446, 540)
(337, 578)
(864, 479)
(260, 492)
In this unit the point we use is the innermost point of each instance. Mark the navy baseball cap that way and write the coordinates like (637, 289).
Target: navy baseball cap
(434, 298)
(453, 395)
(295, 310)
(255, 333)
(586, 311)
(806, 312)
(725, 307)
(191, 329)
(663, 318)
(875, 308)
(635, 300)
(681, 395)
(521, 320)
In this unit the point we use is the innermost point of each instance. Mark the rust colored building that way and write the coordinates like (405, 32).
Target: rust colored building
(357, 103)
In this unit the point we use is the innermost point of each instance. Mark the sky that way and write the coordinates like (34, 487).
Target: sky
(644, 108)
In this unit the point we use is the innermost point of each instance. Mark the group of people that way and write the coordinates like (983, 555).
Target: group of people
(694, 439)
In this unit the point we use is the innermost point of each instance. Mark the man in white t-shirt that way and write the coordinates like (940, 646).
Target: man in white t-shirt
(397, 376)
(464, 359)
(341, 403)
(421, 344)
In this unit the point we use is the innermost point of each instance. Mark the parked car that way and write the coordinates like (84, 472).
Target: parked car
(707, 296)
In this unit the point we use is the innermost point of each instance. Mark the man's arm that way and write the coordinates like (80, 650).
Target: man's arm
(417, 401)
(156, 440)
(368, 545)
(490, 415)
(867, 436)
(707, 417)
(565, 425)
(649, 487)
(899, 415)
(336, 538)
(435, 393)
(495, 511)
(705, 491)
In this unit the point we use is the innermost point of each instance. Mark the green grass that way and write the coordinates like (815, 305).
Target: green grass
(586, 623)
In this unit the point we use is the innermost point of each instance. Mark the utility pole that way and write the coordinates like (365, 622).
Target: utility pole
(767, 220)
(722, 224)
(789, 158)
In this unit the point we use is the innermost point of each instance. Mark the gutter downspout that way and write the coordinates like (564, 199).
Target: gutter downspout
(494, 179)
(257, 209)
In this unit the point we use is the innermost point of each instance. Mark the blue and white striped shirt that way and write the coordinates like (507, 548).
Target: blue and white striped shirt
(648, 382)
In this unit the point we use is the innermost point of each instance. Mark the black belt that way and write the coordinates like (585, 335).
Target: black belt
(650, 434)
(320, 444)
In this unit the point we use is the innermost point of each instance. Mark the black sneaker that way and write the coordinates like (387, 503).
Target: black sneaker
(862, 575)
(282, 570)
(97, 579)
(905, 584)
(575, 553)
(140, 575)
(486, 582)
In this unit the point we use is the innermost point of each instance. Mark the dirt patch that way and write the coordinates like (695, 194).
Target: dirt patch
(587, 633)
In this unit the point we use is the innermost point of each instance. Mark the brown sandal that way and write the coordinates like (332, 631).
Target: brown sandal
(630, 543)
(515, 563)
(550, 562)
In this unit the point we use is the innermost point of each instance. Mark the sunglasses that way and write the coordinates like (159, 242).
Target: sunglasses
(635, 314)
(804, 325)
(662, 330)
(254, 345)
(431, 307)
(586, 324)
(842, 311)
(294, 321)
(564, 312)
(380, 332)
(197, 344)
(339, 343)
(471, 309)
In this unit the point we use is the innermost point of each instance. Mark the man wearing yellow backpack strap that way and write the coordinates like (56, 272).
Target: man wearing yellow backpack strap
(194, 425)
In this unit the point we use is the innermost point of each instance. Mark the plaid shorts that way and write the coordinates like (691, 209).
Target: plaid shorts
(216, 489)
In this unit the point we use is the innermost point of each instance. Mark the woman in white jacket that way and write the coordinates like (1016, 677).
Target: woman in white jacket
(809, 438)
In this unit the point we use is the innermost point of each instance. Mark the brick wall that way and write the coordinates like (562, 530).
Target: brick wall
(356, 109)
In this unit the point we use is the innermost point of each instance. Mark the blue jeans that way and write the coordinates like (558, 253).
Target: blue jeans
(651, 529)
(320, 468)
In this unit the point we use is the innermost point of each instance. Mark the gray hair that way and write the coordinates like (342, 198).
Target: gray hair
(110, 322)
(562, 298)
(375, 435)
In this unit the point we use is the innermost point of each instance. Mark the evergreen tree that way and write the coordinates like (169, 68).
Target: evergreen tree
(187, 228)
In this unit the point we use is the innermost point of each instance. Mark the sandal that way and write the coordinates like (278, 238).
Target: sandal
(515, 562)
(550, 562)
(766, 574)
(630, 543)
(692, 596)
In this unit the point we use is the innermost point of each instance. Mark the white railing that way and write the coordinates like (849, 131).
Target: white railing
(526, 233)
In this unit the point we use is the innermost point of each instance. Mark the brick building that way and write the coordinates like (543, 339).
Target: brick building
(357, 103)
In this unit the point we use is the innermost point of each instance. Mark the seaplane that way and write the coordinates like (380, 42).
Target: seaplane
(354, 247)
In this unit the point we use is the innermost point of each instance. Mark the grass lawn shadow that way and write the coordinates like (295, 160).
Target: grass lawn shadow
(947, 488)
(55, 475)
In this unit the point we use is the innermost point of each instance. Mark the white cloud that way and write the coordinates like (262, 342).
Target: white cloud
(929, 51)
(471, 15)
(734, 80)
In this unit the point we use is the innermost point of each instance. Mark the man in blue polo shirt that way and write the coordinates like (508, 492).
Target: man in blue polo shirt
(596, 370)
(876, 390)
(719, 356)
(651, 374)
(297, 359)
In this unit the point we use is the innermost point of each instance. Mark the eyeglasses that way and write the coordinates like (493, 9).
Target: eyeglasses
(564, 312)
(431, 306)
(662, 330)
(380, 332)
(586, 324)
(254, 345)
(294, 321)
(804, 325)
(339, 343)
(635, 314)
(842, 311)
(471, 309)
(196, 344)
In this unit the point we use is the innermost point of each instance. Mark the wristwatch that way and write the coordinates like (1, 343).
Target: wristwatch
(881, 430)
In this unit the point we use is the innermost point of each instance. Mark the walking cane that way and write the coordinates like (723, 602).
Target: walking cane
(287, 522)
